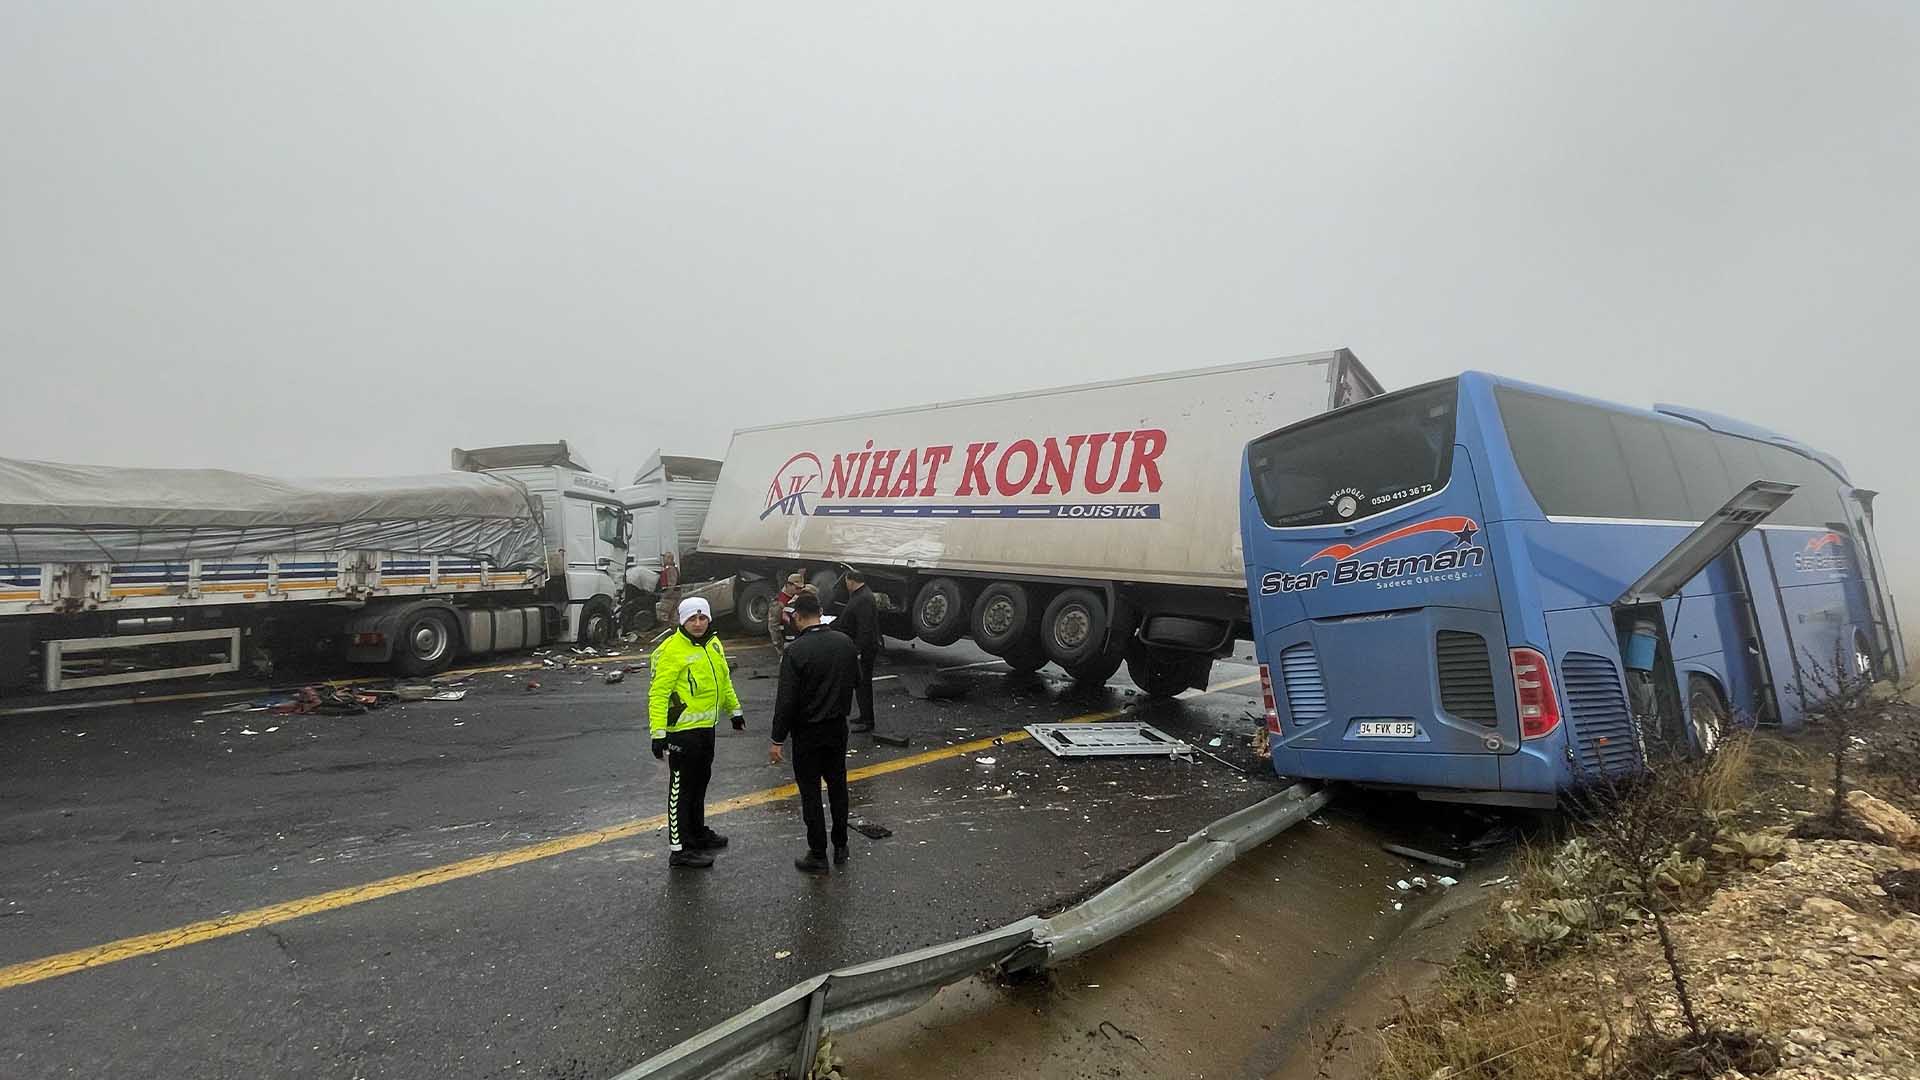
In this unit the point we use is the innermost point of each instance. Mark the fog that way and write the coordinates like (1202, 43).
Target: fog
(325, 239)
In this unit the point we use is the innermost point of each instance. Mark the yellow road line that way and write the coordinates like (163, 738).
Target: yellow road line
(52, 967)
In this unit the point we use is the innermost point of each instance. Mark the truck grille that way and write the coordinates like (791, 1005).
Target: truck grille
(1466, 677)
(1602, 724)
(1306, 690)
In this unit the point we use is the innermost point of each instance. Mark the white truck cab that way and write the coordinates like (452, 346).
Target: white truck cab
(587, 530)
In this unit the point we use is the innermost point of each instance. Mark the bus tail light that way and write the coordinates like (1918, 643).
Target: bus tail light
(1533, 688)
(1266, 698)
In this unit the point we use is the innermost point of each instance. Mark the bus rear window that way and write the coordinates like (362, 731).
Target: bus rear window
(1358, 462)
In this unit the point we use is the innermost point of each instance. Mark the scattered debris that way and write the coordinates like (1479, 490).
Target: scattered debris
(236, 707)
(1215, 741)
(1447, 881)
(986, 761)
(1105, 740)
(871, 831)
(533, 684)
(782, 954)
(450, 695)
(248, 731)
(1501, 880)
(891, 740)
(1424, 856)
(615, 676)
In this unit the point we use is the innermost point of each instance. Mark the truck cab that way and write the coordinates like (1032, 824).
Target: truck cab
(588, 532)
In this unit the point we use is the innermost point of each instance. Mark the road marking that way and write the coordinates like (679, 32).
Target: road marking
(67, 963)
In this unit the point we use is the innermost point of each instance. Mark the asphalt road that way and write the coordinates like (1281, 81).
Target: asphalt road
(127, 821)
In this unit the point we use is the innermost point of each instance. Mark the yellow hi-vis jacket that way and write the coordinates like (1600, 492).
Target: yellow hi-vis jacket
(698, 673)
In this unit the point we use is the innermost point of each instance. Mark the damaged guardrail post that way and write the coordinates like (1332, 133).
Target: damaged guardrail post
(810, 1034)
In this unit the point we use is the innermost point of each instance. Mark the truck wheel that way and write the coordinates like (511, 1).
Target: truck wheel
(596, 623)
(1163, 673)
(425, 644)
(1025, 656)
(1001, 616)
(940, 612)
(1097, 671)
(750, 607)
(1074, 629)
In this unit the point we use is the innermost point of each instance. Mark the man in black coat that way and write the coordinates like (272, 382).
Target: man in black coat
(860, 621)
(817, 676)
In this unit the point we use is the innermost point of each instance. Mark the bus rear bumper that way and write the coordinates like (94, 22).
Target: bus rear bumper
(1528, 774)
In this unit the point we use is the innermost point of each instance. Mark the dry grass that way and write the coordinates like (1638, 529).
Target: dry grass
(1472, 1030)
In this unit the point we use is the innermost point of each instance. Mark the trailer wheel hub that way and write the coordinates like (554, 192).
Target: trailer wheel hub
(1071, 628)
(429, 639)
(998, 618)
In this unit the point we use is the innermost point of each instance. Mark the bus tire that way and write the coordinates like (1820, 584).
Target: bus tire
(425, 644)
(596, 623)
(1002, 616)
(1707, 717)
(940, 612)
(750, 607)
(1074, 628)
(1025, 656)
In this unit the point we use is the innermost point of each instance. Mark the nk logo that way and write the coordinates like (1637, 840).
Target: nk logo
(793, 484)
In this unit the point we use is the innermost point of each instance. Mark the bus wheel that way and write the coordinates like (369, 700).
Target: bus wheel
(425, 645)
(1025, 656)
(750, 607)
(1001, 617)
(1074, 628)
(940, 612)
(1165, 672)
(1706, 716)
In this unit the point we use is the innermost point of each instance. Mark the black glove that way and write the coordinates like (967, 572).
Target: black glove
(739, 722)
(660, 748)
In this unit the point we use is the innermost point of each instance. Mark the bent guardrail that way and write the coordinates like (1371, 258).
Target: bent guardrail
(785, 1029)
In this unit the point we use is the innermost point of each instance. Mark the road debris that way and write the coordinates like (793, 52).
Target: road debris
(891, 740)
(618, 675)
(782, 954)
(871, 831)
(986, 761)
(1424, 856)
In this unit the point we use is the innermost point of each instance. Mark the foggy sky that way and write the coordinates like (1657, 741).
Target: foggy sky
(341, 239)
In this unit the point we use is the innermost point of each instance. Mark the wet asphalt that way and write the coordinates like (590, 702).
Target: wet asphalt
(131, 820)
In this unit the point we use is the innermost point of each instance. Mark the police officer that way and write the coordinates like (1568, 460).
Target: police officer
(816, 686)
(691, 688)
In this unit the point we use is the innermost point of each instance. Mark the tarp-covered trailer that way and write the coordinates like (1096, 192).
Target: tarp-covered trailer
(203, 565)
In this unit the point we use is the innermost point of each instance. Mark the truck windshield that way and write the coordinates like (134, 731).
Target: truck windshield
(1358, 462)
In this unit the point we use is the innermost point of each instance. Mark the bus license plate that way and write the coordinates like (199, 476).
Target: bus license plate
(1385, 729)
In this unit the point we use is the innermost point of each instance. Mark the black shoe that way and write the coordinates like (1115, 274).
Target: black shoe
(712, 841)
(861, 725)
(811, 863)
(840, 855)
(698, 860)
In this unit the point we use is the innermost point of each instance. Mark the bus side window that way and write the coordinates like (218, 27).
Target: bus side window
(1658, 492)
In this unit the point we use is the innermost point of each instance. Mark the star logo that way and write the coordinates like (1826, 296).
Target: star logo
(1466, 534)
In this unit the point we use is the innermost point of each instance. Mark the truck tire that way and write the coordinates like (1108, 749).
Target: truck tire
(940, 612)
(750, 608)
(1074, 629)
(1002, 617)
(1025, 656)
(596, 623)
(425, 643)
(824, 582)
(1162, 673)
(1097, 671)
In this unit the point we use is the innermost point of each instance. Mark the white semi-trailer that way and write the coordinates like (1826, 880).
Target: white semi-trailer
(1087, 525)
(112, 575)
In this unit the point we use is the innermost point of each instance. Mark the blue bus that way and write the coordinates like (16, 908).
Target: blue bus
(1486, 591)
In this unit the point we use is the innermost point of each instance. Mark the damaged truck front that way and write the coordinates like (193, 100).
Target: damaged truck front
(1087, 526)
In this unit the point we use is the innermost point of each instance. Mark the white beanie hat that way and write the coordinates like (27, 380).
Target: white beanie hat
(694, 605)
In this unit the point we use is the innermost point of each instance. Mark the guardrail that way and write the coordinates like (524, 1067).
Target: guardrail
(785, 1029)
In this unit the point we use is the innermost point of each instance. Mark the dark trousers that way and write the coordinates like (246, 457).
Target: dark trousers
(811, 765)
(863, 688)
(690, 761)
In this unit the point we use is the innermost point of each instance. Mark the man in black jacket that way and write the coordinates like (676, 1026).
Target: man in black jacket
(816, 683)
(860, 621)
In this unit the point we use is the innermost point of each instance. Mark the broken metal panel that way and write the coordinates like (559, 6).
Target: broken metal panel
(1106, 740)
